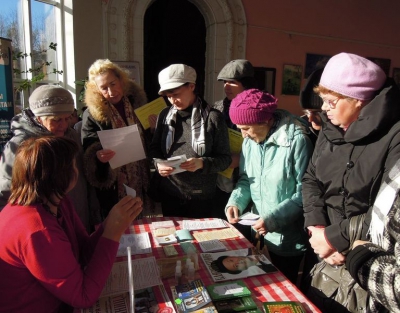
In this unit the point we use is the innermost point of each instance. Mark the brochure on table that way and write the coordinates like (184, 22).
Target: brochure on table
(139, 243)
(204, 224)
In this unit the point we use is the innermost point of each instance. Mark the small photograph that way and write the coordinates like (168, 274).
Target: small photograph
(396, 75)
(291, 80)
(314, 62)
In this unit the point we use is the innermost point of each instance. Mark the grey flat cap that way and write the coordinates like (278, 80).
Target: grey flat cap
(236, 70)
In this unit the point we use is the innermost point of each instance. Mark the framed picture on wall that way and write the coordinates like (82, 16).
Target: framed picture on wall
(265, 77)
(291, 79)
(396, 75)
(314, 62)
(383, 63)
(132, 67)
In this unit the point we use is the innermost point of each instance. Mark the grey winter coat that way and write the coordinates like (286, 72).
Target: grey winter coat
(24, 126)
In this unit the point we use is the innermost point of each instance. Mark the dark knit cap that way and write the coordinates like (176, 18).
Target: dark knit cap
(308, 98)
(252, 106)
(51, 100)
(236, 70)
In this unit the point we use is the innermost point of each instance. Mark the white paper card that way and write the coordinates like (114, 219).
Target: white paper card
(174, 162)
(130, 191)
(248, 219)
(125, 142)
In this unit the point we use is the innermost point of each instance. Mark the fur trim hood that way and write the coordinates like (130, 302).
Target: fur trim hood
(98, 108)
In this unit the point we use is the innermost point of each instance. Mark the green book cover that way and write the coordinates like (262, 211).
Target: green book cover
(283, 307)
(228, 290)
(235, 305)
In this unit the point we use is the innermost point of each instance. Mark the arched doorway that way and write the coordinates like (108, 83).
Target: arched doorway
(226, 30)
(174, 32)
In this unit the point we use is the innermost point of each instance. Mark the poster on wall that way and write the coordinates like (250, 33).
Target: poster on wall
(383, 63)
(291, 79)
(132, 67)
(314, 62)
(396, 75)
(6, 90)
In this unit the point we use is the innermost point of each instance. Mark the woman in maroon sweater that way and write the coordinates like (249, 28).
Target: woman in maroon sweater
(48, 263)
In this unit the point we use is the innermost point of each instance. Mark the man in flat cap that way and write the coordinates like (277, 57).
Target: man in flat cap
(237, 75)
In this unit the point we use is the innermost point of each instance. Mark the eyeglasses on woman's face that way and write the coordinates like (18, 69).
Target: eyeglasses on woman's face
(331, 102)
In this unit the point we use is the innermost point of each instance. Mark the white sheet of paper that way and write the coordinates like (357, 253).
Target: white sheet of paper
(125, 142)
(145, 274)
(130, 191)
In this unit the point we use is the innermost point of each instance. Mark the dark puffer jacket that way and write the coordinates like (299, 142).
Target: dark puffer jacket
(347, 168)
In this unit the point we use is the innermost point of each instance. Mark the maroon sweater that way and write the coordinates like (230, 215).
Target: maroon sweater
(45, 260)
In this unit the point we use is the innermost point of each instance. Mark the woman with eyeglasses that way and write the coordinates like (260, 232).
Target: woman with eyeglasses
(358, 143)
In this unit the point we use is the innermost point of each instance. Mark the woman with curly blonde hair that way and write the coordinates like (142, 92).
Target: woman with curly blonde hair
(111, 98)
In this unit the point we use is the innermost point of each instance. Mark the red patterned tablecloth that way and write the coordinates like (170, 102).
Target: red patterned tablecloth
(268, 287)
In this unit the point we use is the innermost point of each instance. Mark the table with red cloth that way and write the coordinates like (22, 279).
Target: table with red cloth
(265, 288)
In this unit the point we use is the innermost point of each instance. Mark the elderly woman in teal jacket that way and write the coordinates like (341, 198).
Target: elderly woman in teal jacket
(275, 154)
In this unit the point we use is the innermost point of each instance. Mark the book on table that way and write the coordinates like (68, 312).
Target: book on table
(228, 290)
(236, 264)
(235, 305)
(283, 307)
(225, 297)
(192, 297)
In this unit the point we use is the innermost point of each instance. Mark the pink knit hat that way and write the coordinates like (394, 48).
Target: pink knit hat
(252, 106)
(352, 76)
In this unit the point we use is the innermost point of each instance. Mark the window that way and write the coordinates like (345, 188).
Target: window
(36, 29)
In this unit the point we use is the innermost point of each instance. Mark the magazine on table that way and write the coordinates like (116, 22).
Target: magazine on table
(236, 264)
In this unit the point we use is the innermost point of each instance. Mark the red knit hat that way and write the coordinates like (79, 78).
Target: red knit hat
(252, 106)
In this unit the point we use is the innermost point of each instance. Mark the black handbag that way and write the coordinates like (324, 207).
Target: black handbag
(332, 287)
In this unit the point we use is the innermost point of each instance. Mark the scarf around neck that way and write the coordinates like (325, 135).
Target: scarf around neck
(198, 119)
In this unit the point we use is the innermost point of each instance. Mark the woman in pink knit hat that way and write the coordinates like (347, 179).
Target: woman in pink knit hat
(357, 146)
(275, 154)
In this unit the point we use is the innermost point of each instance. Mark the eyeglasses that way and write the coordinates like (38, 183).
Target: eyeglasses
(310, 112)
(332, 103)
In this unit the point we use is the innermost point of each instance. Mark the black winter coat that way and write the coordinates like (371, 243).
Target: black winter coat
(347, 168)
